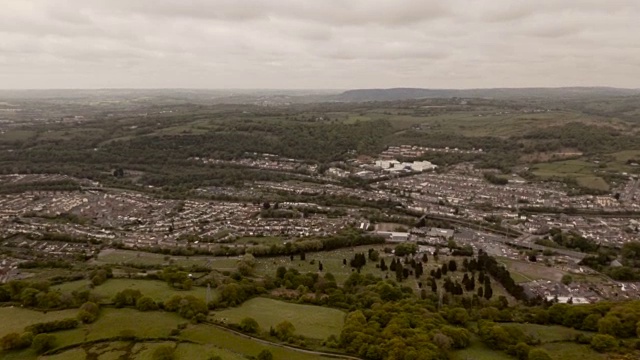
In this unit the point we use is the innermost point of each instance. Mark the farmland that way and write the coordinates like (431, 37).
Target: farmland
(310, 321)
(157, 290)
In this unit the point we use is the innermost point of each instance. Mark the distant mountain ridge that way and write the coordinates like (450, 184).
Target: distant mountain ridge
(393, 94)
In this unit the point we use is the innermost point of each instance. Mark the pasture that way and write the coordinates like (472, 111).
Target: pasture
(156, 289)
(332, 262)
(310, 321)
(15, 319)
(207, 334)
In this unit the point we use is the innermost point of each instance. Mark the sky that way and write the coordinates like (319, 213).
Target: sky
(318, 44)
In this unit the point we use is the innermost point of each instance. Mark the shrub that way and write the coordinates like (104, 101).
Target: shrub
(249, 325)
(43, 343)
(603, 343)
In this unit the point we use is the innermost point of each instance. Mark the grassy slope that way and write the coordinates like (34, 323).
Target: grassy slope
(14, 319)
(158, 290)
(310, 321)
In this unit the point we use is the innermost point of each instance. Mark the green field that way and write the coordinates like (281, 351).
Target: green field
(546, 333)
(478, 351)
(156, 289)
(583, 171)
(117, 257)
(15, 319)
(206, 334)
(572, 351)
(331, 261)
(310, 321)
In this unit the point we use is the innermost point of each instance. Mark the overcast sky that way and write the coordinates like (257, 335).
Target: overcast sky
(330, 44)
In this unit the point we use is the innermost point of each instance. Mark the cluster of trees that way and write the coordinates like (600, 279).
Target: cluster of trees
(52, 326)
(572, 240)
(400, 330)
(629, 256)
(189, 307)
(37, 294)
(235, 293)
(494, 179)
(40, 343)
(176, 278)
(490, 265)
(347, 238)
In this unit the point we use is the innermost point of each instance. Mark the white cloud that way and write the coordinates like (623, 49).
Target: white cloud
(318, 44)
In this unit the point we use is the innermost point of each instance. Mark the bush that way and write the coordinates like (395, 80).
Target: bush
(146, 303)
(43, 343)
(249, 325)
(539, 354)
(604, 343)
(51, 326)
(265, 355)
(88, 312)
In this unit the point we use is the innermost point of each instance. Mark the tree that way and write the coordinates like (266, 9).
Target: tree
(249, 325)
(146, 303)
(43, 342)
(610, 325)
(284, 330)
(567, 279)
(453, 266)
(265, 355)
(88, 312)
(458, 316)
(603, 343)
(539, 354)
(10, 341)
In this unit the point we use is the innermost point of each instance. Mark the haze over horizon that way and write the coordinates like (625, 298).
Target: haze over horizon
(301, 44)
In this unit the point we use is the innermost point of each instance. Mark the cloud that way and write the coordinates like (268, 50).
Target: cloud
(324, 44)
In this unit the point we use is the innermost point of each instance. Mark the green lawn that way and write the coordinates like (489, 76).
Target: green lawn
(331, 261)
(15, 319)
(206, 334)
(478, 351)
(156, 289)
(546, 333)
(310, 321)
(572, 351)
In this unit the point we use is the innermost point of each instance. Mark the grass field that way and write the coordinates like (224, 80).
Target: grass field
(331, 261)
(112, 256)
(547, 334)
(156, 289)
(572, 351)
(523, 271)
(478, 351)
(310, 321)
(14, 319)
(583, 171)
(206, 334)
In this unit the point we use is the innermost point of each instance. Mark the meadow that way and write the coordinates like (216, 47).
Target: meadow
(15, 319)
(310, 321)
(156, 289)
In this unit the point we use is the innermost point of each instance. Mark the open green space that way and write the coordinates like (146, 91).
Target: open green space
(207, 334)
(547, 333)
(310, 321)
(118, 256)
(332, 262)
(479, 351)
(156, 289)
(523, 271)
(15, 319)
(572, 351)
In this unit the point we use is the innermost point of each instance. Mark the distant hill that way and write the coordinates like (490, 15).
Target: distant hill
(360, 95)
